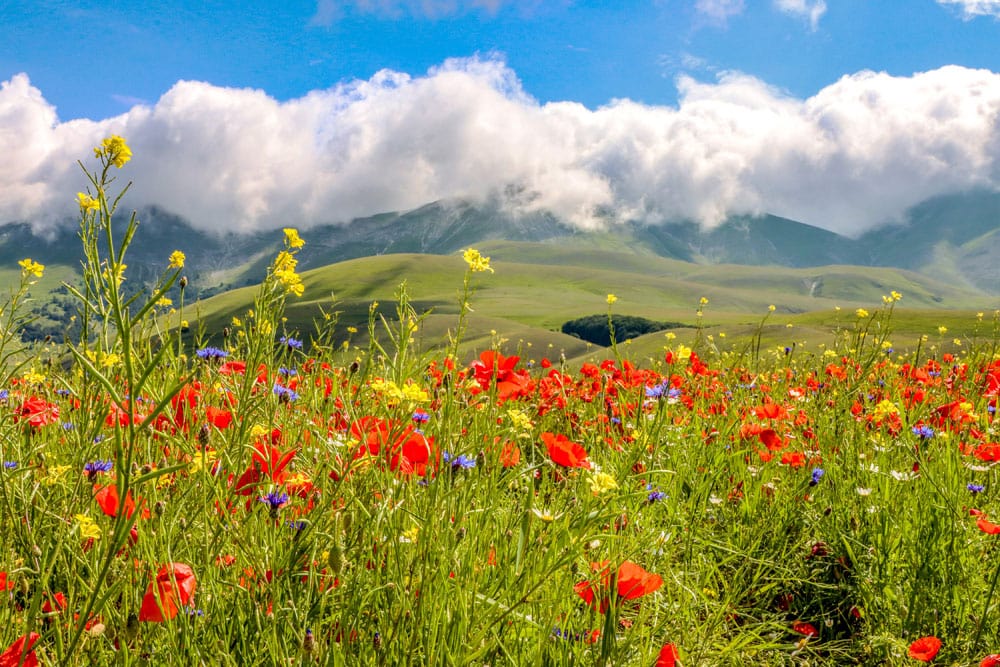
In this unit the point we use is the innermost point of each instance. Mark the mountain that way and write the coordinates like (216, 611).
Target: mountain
(953, 240)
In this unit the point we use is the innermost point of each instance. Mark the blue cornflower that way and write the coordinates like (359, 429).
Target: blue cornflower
(288, 372)
(298, 525)
(10, 465)
(100, 465)
(421, 417)
(654, 494)
(68, 426)
(275, 500)
(291, 343)
(64, 392)
(924, 431)
(284, 393)
(975, 488)
(817, 474)
(459, 462)
(656, 391)
(211, 353)
(4, 394)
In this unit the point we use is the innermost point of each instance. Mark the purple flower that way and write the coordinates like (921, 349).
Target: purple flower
(975, 488)
(275, 500)
(285, 394)
(460, 462)
(100, 465)
(291, 343)
(211, 353)
(923, 431)
(816, 475)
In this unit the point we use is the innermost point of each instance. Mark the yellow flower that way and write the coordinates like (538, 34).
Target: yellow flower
(477, 263)
(115, 149)
(33, 377)
(611, 299)
(164, 302)
(942, 330)
(292, 238)
(703, 301)
(88, 527)
(110, 360)
(601, 482)
(177, 259)
(55, 474)
(771, 308)
(885, 409)
(31, 268)
(896, 296)
(87, 203)
(861, 313)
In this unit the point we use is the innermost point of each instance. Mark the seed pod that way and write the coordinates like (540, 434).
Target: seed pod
(335, 559)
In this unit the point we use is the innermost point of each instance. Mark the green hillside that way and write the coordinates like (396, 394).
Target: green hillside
(527, 301)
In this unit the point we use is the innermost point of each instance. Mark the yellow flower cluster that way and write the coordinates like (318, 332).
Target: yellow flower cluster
(87, 203)
(408, 392)
(115, 150)
(601, 482)
(284, 264)
(477, 263)
(292, 238)
(31, 268)
(284, 271)
(88, 527)
(884, 410)
(176, 259)
(611, 299)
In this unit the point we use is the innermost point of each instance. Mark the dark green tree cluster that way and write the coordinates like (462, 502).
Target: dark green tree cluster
(594, 328)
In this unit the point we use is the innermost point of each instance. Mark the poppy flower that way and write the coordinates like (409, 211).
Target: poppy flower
(988, 527)
(564, 452)
(807, 629)
(174, 586)
(925, 648)
(631, 582)
(992, 660)
(21, 652)
(667, 657)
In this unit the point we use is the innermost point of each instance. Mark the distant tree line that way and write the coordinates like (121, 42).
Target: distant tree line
(594, 328)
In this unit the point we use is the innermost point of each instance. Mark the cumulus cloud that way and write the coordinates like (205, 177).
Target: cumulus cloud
(719, 11)
(812, 10)
(972, 8)
(855, 155)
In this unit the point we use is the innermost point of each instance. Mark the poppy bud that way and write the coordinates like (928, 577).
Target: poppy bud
(160, 507)
(183, 282)
(226, 332)
(335, 559)
(460, 535)
(354, 367)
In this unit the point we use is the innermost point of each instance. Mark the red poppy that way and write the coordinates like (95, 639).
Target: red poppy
(38, 412)
(632, 582)
(988, 527)
(667, 657)
(56, 603)
(564, 452)
(21, 652)
(925, 648)
(807, 629)
(107, 498)
(174, 586)
(992, 660)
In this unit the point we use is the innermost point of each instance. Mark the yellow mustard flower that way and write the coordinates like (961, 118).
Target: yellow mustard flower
(88, 527)
(177, 259)
(477, 263)
(87, 203)
(115, 149)
(31, 268)
(611, 299)
(292, 238)
(861, 313)
(601, 482)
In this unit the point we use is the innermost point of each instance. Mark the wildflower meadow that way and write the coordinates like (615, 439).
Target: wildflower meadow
(265, 496)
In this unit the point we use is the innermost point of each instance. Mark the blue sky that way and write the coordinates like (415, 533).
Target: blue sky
(96, 59)
(249, 115)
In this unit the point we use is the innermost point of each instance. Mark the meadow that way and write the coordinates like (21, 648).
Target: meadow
(234, 484)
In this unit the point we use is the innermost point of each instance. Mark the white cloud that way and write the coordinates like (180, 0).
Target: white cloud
(855, 155)
(719, 11)
(972, 8)
(812, 10)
